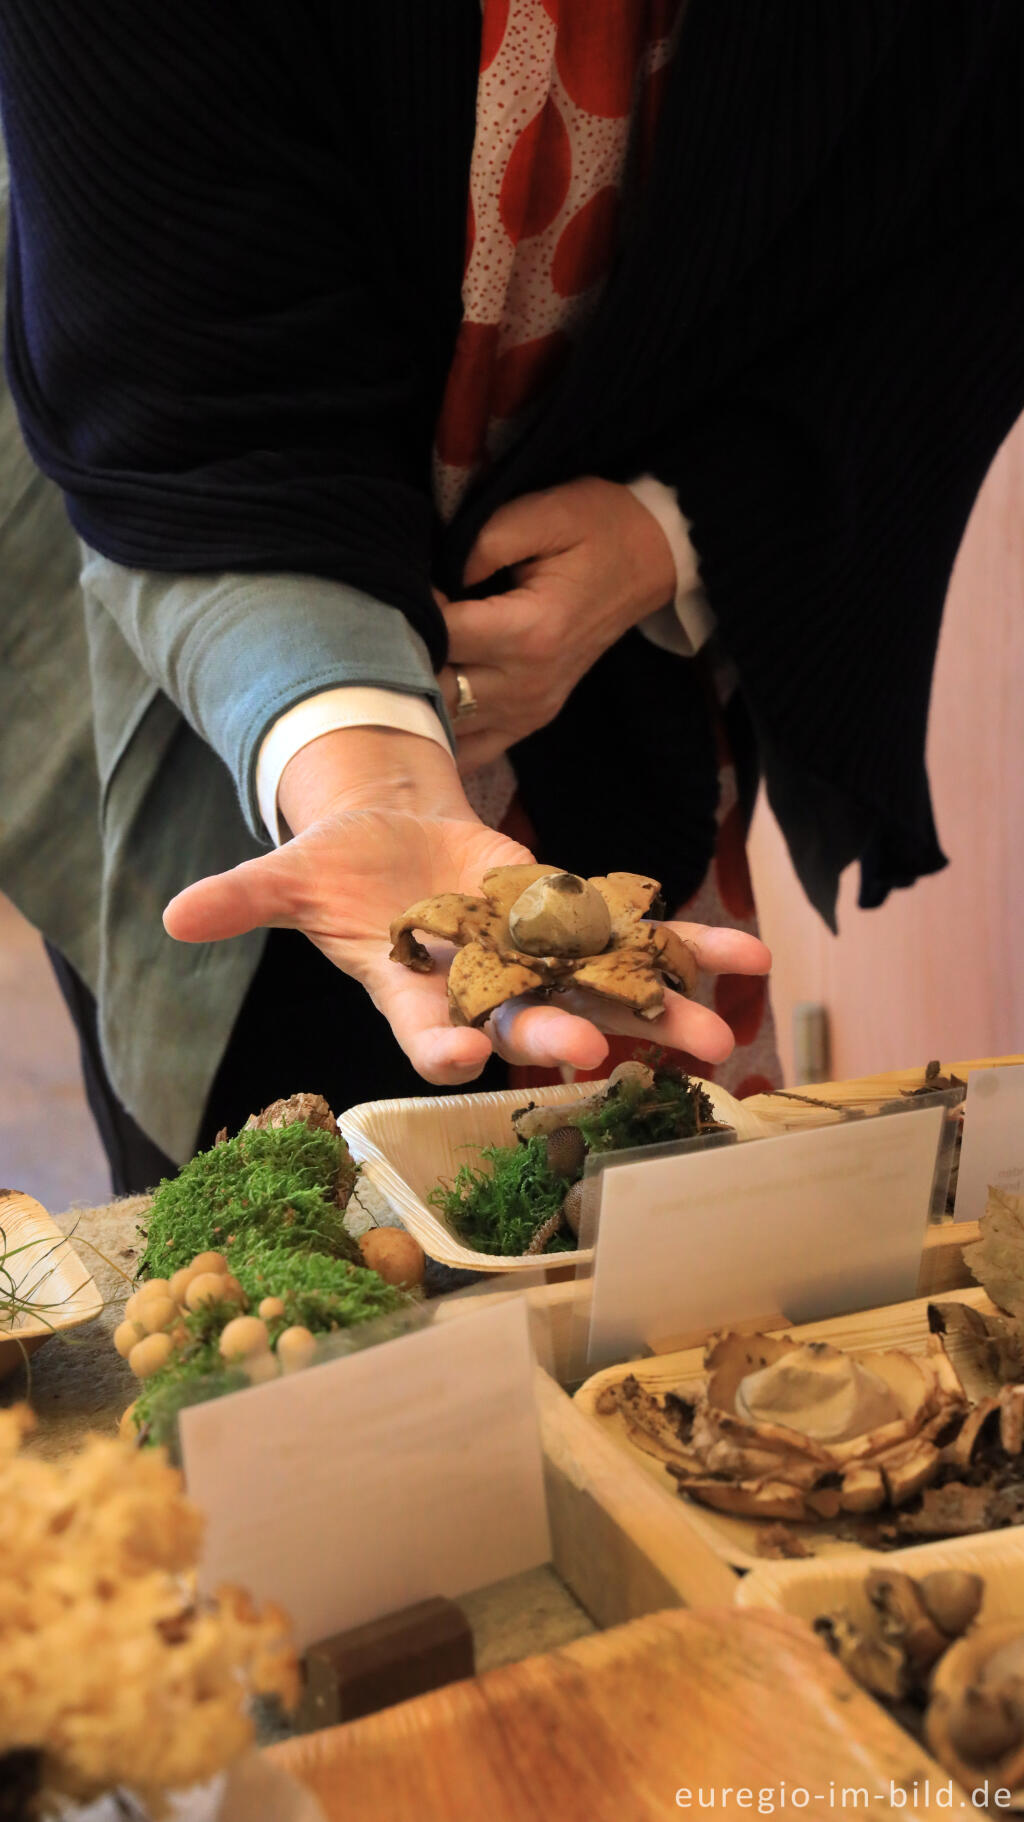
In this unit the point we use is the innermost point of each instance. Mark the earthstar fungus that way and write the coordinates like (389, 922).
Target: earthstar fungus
(538, 930)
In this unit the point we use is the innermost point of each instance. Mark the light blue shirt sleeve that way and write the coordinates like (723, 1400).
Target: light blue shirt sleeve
(234, 651)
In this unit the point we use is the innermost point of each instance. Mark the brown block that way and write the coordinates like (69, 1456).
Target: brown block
(387, 1661)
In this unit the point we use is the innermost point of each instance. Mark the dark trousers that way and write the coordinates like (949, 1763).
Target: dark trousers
(303, 1027)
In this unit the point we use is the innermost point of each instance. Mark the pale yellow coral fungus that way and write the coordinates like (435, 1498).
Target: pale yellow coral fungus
(110, 1666)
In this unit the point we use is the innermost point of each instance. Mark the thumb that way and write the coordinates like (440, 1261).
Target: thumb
(256, 895)
(532, 526)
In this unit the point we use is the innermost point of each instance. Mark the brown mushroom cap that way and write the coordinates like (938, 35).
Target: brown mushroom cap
(953, 1598)
(975, 1718)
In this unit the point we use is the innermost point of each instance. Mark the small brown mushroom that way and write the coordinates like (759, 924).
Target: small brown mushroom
(903, 1618)
(953, 1598)
(975, 1719)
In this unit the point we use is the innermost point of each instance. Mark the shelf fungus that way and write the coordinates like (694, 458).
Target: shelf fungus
(799, 1431)
(538, 930)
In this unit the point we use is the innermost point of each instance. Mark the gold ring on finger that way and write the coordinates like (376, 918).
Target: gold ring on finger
(467, 703)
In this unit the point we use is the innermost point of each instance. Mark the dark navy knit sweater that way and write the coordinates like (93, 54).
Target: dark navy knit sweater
(235, 263)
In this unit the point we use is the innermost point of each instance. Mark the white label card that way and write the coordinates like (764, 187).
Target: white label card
(806, 1225)
(993, 1144)
(355, 1488)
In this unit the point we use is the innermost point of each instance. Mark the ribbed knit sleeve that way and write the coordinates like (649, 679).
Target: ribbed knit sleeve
(216, 341)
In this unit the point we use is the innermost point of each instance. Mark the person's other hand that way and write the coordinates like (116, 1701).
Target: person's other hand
(381, 822)
(588, 561)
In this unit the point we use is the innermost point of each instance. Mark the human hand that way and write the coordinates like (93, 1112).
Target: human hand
(589, 562)
(381, 822)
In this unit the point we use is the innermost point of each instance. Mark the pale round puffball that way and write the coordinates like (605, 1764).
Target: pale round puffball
(560, 914)
(180, 1282)
(242, 1336)
(148, 1356)
(158, 1313)
(153, 1287)
(271, 1309)
(127, 1428)
(126, 1335)
(295, 1349)
(233, 1292)
(209, 1262)
(206, 1287)
(394, 1255)
(259, 1368)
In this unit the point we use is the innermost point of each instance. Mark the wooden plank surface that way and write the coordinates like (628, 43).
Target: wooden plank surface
(792, 1109)
(610, 1728)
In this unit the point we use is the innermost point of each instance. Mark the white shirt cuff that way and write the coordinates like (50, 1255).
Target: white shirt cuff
(686, 623)
(348, 706)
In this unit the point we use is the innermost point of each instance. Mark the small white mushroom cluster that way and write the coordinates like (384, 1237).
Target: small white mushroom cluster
(153, 1329)
(245, 1342)
(154, 1317)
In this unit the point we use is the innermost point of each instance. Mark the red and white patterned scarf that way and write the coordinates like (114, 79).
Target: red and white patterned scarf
(567, 105)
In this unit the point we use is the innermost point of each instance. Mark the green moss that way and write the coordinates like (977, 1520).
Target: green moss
(672, 1107)
(499, 1210)
(281, 1185)
(498, 1206)
(318, 1292)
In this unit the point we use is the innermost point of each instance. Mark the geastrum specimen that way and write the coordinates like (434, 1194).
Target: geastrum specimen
(799, 1430)
(536, 929)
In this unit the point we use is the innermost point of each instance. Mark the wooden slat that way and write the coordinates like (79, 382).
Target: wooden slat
(858, 1091)
(942, 1261)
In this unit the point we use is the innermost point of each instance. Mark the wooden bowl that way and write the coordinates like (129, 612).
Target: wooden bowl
(47, 1272)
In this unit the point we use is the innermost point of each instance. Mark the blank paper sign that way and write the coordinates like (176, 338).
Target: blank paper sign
(807, 1225)
(993, 1143)
(354, 1488)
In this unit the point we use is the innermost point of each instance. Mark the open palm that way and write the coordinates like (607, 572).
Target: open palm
(349, 875)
